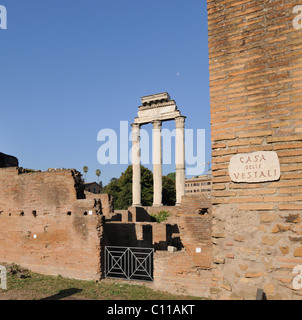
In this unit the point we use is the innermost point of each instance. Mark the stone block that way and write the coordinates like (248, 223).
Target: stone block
(218, 260)
(172, 249)
(298, 252)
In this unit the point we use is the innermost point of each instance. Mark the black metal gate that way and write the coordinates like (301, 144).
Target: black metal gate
(129, 263)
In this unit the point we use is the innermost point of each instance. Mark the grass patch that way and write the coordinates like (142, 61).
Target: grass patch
(35, 286)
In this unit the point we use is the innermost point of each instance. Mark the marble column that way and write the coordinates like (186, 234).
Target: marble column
(136, 166)
(180, 158)
(157, 164)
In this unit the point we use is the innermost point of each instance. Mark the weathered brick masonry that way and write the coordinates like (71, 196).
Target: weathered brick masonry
(256, 105)
(186, 271)
(48, 225)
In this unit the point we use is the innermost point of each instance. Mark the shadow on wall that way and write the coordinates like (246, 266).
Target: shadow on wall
(125, 235)
(173, 237)
(143, 235)
(128, 235)
(135, 228)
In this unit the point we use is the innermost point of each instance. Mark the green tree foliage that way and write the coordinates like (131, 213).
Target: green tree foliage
(98, 172)
(85, 170)
(169, 191)
(147, 186)
(121, 189)
(172, 175)
(112, 188)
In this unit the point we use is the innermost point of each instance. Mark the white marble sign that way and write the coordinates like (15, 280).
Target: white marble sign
(260, 166)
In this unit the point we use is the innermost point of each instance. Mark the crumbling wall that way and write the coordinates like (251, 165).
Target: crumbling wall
(182, 244)
(255, 87)
(195, 224)
(106, 201)
(47, 225)
(188, 270)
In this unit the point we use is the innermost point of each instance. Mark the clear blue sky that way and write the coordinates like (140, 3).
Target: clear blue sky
(70, 68)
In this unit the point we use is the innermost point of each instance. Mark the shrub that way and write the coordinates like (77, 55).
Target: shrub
(160, 216)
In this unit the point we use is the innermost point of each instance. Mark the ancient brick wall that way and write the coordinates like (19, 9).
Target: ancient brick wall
(188, 271)
(195, 224)
(256, 96)
(176, 272)
(106, 201)
(139, 234)
(188, 229)
(47, 225)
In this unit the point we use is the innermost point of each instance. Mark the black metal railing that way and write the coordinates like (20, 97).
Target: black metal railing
(129, 263)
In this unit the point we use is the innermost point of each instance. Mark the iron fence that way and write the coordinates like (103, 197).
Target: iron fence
(129, 263)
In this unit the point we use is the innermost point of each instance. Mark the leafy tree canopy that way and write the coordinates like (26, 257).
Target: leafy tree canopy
(121, 189)
(171, 175)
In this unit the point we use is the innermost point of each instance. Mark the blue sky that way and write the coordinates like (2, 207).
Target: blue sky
(71, 68)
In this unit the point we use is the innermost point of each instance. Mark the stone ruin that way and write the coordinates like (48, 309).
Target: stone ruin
(250, 239)
(50, 225)
(156, 109)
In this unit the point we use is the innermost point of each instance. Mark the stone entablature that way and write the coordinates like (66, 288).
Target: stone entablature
(155, 110)
(155, 98)
(157, 105)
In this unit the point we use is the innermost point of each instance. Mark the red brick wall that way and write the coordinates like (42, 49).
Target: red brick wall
(45, 227)
(53, 244)
(43, 192)
(176, 272)
(106, 201)
(185, 271)
(188, 271)
(256, 96)
(195, 229)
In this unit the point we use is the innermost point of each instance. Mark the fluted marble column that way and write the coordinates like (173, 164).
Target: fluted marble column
(157, 164)
(136, 166)
(180, 158)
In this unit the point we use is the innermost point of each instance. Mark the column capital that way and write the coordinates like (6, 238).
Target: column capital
(135, 125)
(180, 122)
(135, 131)
(157, 124)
